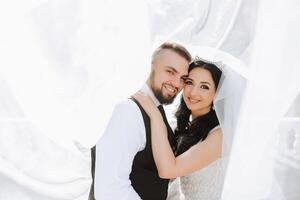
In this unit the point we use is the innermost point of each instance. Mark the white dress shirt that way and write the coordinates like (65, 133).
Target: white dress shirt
(124, 136)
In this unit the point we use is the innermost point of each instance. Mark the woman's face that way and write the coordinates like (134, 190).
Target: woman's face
(199, 91)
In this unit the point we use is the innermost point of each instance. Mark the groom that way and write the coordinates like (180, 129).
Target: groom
(125, 168)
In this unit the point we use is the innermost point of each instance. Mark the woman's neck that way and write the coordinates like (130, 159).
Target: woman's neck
(199, 113)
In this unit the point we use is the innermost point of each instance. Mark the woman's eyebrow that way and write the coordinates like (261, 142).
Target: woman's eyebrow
(204, 82)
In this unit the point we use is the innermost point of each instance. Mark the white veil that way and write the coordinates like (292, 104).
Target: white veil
(60, 63)
(267, 45)
(64, 64)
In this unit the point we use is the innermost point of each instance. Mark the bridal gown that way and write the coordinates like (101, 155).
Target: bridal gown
(204, 184)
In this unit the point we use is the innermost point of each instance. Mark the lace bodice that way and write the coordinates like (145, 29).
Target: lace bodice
(204, 184)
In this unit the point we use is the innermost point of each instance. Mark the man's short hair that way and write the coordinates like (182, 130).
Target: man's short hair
(177, 48)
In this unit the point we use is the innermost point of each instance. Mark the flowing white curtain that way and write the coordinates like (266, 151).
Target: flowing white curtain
(64, 64)
(267, 42)
(275, 64)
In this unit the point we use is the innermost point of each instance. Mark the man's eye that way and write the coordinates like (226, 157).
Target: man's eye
(188, 82)
(170, 72)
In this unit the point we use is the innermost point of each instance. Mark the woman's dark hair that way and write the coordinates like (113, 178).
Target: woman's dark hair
(190, 133)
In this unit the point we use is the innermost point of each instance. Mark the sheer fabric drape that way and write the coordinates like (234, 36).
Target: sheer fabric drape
(64, 64)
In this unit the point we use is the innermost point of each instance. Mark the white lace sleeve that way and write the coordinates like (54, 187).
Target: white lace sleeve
(174, 191)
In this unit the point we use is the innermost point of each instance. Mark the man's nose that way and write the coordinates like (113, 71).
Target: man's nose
(178, 82)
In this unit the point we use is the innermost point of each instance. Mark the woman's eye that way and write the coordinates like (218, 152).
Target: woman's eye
(204, 87)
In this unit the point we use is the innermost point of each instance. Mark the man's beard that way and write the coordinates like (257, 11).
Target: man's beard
(161, 98)
(158, 92)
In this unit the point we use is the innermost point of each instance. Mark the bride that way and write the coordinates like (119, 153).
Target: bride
(198, 158)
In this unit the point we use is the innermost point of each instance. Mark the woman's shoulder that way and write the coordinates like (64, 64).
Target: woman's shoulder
(215, 134)
(216, 129)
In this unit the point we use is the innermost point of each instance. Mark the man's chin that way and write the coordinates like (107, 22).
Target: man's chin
(168, 100)
(163, 98)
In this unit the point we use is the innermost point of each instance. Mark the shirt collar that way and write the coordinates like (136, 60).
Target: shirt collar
(147, 90)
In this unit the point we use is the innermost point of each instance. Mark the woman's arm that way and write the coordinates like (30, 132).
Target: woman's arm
(197, 157)
(169, 166)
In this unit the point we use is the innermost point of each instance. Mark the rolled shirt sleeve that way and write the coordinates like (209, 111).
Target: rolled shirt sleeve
(124, 136)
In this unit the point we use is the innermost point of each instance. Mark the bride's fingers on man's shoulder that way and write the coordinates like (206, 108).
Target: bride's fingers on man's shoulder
(142, 94)
(139, 97)
(138, 94)
(135, 96)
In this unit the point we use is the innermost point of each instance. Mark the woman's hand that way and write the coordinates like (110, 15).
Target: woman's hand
(147, 103)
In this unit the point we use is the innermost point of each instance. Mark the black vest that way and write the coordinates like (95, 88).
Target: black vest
(93, 159)
(144, 176)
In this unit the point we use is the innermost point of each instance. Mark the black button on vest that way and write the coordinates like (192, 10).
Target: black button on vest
(144, 176)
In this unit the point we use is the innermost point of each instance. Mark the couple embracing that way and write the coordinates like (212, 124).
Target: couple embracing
(139, 153)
